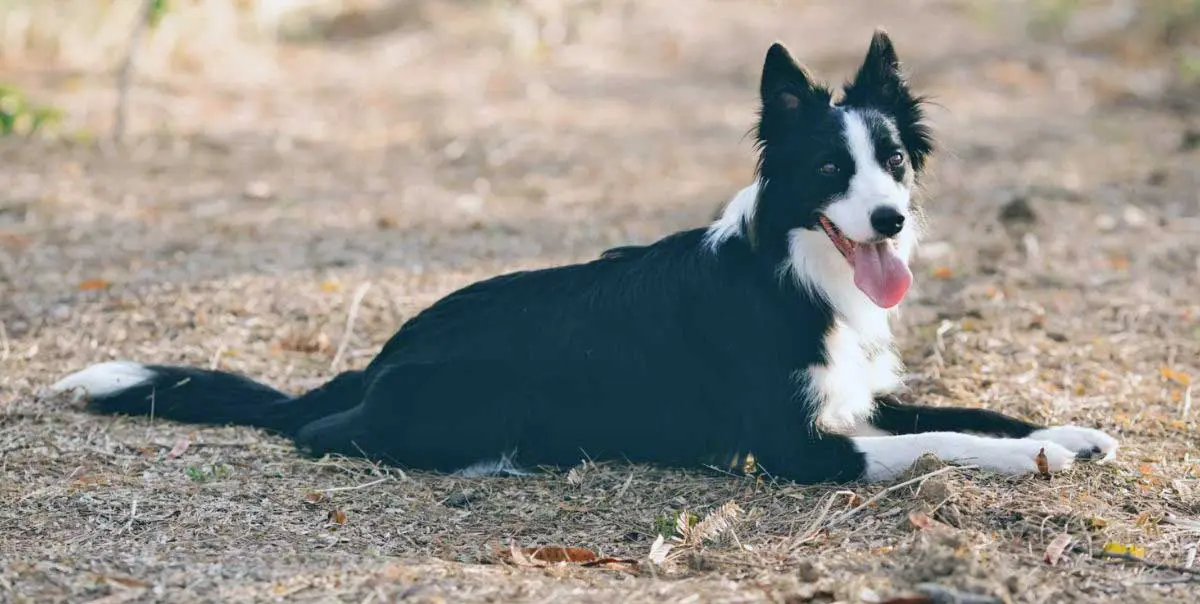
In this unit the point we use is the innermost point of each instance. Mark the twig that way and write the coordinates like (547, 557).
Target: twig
(215, 363)
(132, 515)
(5, 349)
(1183, 413)
(814, 528)
(1192, 573)
(357, 486)
(884, 493)
(125, 73)
(359, 294)
(624, 487)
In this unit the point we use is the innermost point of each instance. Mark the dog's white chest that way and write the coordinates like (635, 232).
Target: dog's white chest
(856, 371)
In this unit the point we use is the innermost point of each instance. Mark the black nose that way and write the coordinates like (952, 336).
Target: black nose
(887, 221)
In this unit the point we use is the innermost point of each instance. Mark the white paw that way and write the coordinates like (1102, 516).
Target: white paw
(1085, 442)
(1019, 456)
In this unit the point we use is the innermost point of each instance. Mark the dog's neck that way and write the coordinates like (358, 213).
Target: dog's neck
(815, 266)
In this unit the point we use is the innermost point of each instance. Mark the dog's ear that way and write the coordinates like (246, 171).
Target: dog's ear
(880, 84)
(786, 86)
(879, 78)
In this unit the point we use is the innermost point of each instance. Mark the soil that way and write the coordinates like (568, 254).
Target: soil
(1058, 282)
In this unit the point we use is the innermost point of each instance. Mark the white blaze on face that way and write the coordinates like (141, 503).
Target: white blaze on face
(880, 268)
(871, 186)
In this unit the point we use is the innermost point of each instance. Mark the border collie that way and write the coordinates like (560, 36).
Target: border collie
(765, 333)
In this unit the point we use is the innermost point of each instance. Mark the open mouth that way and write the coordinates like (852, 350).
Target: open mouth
(840, 241)
(879, 271)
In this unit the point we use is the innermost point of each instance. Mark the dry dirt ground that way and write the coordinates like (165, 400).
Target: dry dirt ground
(1059, 283)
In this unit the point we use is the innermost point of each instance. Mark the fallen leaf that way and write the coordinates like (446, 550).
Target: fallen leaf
(180, 448)
(305, 342)
(561, 554)
(942, 272)
(623, 564)
(92, 285)
(1057, 546)
(337, 516)
(519, 558)
(314, 497)
(1120, 549)
(1096, 522)
(659, 550)
(575, 477)
(330, 287)
(922, 521)
(129, 582)
(1043, 464)
(750, 465)
(1178, 377)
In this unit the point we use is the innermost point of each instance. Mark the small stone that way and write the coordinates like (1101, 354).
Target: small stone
(460, 499)
(1105, 222)
(936, 490)
(1190, 141)
(258, 190)
(1134, 216)
(1018, 211)
(936, 250)
(808, 572)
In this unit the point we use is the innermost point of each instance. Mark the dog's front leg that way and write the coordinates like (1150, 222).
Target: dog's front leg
(893, 417)
(886, 457)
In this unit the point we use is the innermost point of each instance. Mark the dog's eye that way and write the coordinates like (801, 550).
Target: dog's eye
(896, 160)
(828, 169)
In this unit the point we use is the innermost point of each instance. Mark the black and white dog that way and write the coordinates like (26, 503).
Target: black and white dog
(765, 333)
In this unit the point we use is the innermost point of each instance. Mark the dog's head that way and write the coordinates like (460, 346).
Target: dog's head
(836, 178)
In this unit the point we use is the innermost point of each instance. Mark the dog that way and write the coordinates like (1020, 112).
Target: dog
(765, 333)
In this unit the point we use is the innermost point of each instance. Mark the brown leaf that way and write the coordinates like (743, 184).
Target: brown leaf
(314, 497)
(1043, 464)
(1178, 377)
(180, 448)
(921, 520)
(628, 565)
(337, 517)
(561, 554)
(305, 342)
(556, 554)
(1057, 546)
(129, 582)
(92, 284)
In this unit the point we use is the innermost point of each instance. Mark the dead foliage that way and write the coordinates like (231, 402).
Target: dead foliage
(243, 223)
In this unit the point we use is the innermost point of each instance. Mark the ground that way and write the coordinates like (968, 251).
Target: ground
(256, 198)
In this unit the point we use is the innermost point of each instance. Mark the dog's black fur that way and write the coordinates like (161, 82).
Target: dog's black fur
(675, 353)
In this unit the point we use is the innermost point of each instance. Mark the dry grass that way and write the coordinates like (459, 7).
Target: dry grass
(244, 220)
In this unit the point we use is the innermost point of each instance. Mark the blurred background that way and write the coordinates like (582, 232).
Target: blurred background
(288, 181)
(301, 146)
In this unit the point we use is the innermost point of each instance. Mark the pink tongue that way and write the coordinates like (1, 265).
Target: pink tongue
(881, 274)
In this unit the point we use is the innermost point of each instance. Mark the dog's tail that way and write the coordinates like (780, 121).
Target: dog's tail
(200, 396)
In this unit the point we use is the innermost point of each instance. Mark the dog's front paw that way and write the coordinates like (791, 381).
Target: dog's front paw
(1087, 443)
(1019, 456)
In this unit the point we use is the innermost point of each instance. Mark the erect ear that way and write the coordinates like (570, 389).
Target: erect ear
(880, 85)
(785, 84)
(879, 80)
